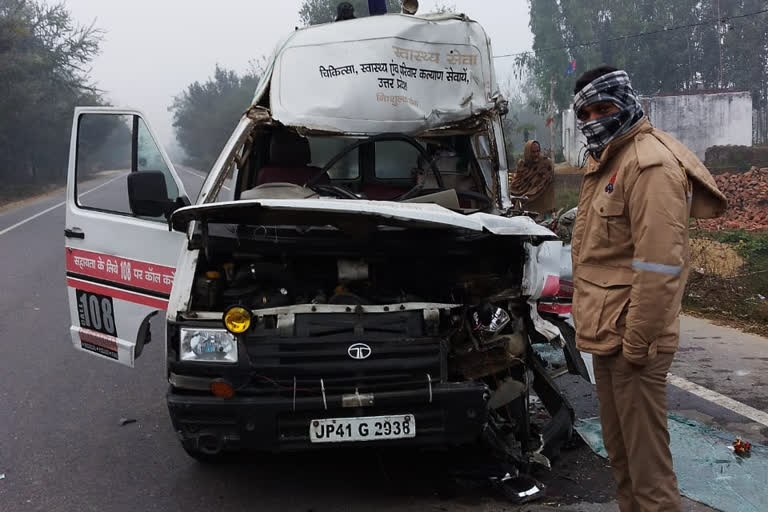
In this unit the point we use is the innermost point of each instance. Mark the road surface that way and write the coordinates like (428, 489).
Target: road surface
(62, 446)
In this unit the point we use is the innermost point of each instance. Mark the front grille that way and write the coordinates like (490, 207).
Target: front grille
(317, 355)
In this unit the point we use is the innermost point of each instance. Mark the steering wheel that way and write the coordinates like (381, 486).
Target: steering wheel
(314, 180)
(466, 194)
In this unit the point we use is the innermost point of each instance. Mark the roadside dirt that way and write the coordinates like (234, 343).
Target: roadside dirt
(725, 319)
(8, 202)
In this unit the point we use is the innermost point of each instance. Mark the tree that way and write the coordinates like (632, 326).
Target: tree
(204, 114)
(44, 57)
(315, 12)
(666, 46)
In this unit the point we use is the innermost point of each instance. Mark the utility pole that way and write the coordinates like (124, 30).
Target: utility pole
(552, 124)
(720, 46)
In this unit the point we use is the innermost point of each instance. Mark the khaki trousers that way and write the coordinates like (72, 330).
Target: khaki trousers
(633, 414)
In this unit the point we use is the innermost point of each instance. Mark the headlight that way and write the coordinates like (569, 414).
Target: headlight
(237, 320)
(208, 345)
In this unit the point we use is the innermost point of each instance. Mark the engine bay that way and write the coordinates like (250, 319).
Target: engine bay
(272, 267)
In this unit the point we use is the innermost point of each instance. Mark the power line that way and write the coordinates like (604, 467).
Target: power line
(724, 19)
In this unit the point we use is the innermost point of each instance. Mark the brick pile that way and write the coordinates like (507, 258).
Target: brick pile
(747, 195)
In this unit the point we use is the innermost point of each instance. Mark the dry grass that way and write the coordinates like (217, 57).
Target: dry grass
(715, 258)
(729, 278)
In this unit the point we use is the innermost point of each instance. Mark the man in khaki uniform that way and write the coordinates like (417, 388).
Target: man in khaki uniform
(630, 264)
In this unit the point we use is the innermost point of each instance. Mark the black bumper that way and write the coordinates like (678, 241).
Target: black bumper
(454, 414)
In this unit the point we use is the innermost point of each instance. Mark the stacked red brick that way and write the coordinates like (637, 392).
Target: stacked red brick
(747, 195)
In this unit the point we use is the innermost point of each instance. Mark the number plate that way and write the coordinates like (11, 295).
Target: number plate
(372, 428)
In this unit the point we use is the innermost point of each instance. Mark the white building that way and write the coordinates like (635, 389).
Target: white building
(699, 120)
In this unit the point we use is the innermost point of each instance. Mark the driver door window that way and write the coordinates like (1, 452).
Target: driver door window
(109, 148)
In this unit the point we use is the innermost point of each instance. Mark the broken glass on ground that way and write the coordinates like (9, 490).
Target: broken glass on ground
(708, 471)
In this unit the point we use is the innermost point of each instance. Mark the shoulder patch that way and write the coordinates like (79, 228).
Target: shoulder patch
(650, 152)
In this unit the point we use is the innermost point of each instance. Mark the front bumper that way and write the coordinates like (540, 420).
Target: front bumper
(451, 414)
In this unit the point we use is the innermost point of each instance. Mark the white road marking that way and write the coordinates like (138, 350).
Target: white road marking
(718, 399)
(201, 176)
(193, 173)
(33, 217)
(103, 184)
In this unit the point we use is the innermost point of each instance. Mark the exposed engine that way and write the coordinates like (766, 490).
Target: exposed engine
(479, 278)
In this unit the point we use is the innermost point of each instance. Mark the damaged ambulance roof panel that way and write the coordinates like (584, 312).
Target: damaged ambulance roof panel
(391, 73)
(346, 212)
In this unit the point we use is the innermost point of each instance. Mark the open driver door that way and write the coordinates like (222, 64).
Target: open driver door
(120, 254)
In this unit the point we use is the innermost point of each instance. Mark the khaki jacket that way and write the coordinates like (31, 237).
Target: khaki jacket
(630, 243)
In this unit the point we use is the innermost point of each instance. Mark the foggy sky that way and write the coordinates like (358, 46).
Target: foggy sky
(152, 49)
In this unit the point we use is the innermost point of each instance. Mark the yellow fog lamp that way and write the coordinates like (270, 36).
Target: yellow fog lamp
(237, 319)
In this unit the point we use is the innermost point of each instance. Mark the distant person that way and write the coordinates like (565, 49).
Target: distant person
(631, 259)
(534, 178)
(345, 11)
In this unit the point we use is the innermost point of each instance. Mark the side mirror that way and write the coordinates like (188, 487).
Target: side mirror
(148, 195)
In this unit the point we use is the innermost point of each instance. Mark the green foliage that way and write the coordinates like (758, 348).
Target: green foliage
(668, 61)
(315, 12)
(742, 297)
(204, 114)
(748, 244)
(566, 197)
(44, 58)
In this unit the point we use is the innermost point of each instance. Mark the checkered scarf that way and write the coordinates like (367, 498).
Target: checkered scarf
(616, 88)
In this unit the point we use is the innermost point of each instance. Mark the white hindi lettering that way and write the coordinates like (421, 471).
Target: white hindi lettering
(152, 277)
(111, 267)
(125, 270)
(100, 264)
(138, 274)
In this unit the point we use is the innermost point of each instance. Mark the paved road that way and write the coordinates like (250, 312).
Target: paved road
(62, 447)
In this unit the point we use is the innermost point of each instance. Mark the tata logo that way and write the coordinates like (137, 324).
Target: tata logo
(359, 351)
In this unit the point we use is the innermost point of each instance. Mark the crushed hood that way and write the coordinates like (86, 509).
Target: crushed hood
(379, 74)
(352, 214)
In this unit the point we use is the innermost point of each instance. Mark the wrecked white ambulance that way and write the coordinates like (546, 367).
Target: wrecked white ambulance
(352, 271)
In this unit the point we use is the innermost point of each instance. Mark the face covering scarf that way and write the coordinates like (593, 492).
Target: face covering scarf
(614, 88)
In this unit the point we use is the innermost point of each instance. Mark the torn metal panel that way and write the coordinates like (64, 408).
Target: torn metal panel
(218, 174)
(401, 73)
(542, 270)
(559, 429)
(542, 326)
(320, 212)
